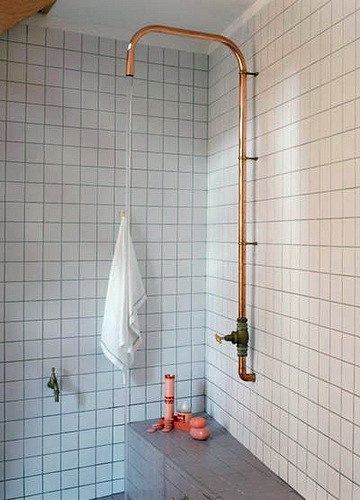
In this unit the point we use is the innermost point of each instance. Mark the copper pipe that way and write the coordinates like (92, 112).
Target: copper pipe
(242, 130)
(242, 146)
(247, 377)
(169, 30)
(242, 196)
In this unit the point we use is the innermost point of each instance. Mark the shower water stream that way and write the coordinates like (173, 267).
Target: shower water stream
(129, 82)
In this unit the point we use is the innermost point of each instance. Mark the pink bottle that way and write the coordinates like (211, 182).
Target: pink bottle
(169, 402)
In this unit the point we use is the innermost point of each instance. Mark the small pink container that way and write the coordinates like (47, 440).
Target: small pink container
(184, 414)
(199, 433)
(198, 429)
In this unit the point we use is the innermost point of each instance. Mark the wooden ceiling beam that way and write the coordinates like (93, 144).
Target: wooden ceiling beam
(14, 11)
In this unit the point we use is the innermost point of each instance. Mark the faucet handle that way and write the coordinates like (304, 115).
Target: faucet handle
(219, 338)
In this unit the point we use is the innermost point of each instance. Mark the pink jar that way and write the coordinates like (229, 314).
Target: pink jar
(198, 429)
(199, 433)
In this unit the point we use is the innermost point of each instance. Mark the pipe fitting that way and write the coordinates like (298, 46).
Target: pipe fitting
(240, 337)
(247, 377)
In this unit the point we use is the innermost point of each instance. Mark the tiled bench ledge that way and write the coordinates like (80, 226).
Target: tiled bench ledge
(165, 465)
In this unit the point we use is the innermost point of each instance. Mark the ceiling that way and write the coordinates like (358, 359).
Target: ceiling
(121, 18)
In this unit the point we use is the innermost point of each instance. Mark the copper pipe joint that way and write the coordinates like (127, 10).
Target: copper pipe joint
(247, 377)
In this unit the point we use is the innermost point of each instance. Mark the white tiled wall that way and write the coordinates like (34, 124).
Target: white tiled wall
(63, 177)
(301, 417)
(62, 172)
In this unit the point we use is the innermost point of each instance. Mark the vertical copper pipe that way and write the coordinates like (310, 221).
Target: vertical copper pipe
(242, 196)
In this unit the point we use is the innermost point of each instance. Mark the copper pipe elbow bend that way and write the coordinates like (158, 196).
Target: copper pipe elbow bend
(247, 377)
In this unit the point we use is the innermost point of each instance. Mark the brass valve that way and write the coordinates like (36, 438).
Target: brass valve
(240, 337)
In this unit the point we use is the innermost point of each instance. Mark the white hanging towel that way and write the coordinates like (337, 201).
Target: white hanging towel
(120, 335)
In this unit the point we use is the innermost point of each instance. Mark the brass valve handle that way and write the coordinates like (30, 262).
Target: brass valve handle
(219, 338)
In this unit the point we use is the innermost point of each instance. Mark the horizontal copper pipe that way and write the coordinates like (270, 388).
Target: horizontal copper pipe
(170, 30)
(247, 377)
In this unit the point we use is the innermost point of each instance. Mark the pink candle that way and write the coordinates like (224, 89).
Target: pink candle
(169, 397)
